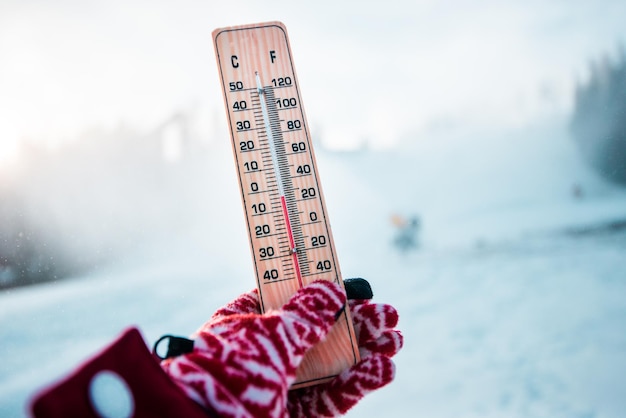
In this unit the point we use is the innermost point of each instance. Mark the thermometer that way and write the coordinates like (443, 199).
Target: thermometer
(288, 227)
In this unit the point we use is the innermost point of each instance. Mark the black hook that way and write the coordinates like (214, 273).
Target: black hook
(175, 347)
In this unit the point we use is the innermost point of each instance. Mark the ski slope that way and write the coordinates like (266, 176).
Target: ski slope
(512, 305)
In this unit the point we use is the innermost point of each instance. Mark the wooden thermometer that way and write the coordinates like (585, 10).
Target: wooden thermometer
(290, 236)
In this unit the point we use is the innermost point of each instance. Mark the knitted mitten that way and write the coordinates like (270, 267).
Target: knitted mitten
(378, 341)
(243, 363)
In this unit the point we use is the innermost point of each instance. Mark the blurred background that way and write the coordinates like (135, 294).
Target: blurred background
(473, 156)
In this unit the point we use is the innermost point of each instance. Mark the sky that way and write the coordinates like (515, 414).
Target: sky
(371, 73)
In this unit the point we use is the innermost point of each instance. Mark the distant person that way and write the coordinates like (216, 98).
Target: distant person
(407, 231)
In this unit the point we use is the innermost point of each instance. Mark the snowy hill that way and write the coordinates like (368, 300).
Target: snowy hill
(504, 312)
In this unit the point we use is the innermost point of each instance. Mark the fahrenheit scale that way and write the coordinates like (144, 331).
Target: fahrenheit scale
(290, 236)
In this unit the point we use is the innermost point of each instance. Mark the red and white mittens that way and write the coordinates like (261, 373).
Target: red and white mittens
(378, 341)
(205, 373)
(243, 363)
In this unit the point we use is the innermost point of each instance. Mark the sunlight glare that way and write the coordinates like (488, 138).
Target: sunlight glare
(9, 144)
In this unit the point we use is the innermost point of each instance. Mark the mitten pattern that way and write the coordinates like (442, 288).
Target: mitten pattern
(378, 341)
(374, 324)
(244, 304)
(243, 363)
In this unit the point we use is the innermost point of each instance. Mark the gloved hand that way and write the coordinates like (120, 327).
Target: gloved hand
(243, 363)
(378, 341)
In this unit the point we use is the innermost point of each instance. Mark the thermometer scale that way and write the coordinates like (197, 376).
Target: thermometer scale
(288, 227)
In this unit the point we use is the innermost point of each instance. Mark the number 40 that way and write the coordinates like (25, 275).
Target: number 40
(324, 265)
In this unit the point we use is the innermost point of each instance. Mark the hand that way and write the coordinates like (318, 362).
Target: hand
(243, 363)
(378, 341)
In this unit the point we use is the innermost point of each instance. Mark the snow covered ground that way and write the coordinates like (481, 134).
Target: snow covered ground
(512, 306)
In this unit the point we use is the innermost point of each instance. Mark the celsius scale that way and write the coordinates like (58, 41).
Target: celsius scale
(290, 235)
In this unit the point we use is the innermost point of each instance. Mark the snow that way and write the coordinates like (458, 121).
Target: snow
(512, 305)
